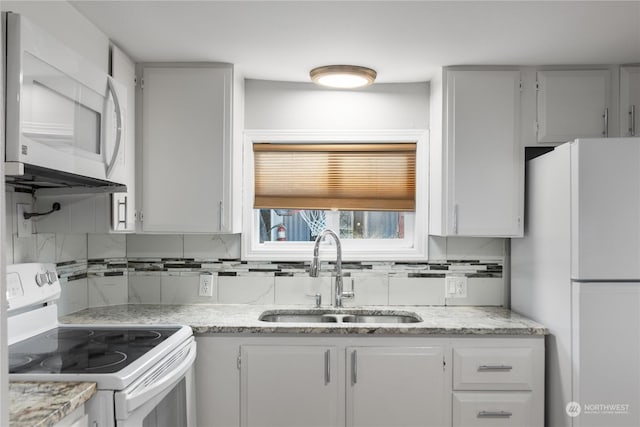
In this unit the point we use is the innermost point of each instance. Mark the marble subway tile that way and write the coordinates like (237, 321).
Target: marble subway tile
(103, 246)
(182, 288)
(73, 297)
(71, 247)
(254, 289)
(369, 288)
(46, 247)
(155, 246)
(487, 291)
(108, 290)
(211, 247)
(145, 289)
(416, 291)
(302, 290)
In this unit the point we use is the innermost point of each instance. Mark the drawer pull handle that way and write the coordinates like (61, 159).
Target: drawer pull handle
(494, 414)
(484, 368)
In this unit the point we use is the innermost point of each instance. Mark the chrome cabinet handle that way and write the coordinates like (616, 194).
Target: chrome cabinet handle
(116, 150)
(484, 368)
(220, 211)
(605, 116)
(120, 205)
(327, 367)
(354, 367)
(632, 121)
(494, 414)
(455, 219)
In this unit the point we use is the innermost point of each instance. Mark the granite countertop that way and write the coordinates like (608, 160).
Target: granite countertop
(42, 404)
(234, 319)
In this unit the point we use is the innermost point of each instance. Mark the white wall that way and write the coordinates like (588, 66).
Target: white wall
(286, 105)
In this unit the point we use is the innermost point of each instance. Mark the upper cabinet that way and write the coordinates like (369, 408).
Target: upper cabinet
(122, 206)
(573, 104)
(630, 100)
(185, 155)
(477, 167)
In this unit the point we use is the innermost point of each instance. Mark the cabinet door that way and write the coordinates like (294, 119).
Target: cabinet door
(630, 101)
(396, 386)
(296, 386)
(186, 136)
(573, 104)
(123, 207)
(485, 157)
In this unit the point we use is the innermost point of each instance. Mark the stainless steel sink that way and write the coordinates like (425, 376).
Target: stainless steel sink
(340, 316)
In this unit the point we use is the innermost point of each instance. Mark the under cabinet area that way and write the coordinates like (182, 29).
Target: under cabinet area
(185, 150)
(369, 381)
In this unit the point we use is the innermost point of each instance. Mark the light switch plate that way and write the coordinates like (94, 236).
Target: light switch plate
(206, 285)
(456, 287)
(25, 228)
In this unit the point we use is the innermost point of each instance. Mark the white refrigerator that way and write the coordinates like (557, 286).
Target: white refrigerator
(577, 271)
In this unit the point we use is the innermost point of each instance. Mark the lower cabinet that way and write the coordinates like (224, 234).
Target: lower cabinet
(328, 381)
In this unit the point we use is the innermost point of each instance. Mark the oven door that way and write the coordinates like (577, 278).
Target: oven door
(164, 396)
(63, 112)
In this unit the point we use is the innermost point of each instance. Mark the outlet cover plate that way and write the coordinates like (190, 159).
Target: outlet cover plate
(206, 285)
(456, 287)
(25, 228)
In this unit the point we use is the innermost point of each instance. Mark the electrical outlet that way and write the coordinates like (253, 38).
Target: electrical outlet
(456, 287)
(24, 225)
(206, 285)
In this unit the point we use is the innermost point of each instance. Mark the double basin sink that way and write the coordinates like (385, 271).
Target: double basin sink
(339, 316)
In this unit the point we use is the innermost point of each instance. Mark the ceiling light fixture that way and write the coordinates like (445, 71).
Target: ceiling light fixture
(343, 76)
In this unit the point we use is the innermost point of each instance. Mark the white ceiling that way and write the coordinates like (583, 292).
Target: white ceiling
(403, 40)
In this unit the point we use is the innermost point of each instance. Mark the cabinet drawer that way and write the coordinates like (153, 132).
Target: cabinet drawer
(493, 368)
(492, 409)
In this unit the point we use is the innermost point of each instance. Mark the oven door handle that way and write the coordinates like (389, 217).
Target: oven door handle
(158, 380)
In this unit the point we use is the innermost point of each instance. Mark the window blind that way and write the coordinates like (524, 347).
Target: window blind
(343, 176)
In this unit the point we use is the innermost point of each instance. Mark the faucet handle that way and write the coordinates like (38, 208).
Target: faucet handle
(351, 293)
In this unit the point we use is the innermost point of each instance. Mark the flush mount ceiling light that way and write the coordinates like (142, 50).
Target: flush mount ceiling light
(343, 76)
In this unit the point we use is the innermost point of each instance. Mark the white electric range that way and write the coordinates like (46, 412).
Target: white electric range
(144, 373)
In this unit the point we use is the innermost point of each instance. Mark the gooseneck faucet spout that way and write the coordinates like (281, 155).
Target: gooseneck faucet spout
(314, 270)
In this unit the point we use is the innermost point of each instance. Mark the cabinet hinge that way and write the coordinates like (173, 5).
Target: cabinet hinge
(239, 362)
(520, 85)
(537, 86)
(140, 216)
(536, 127)
(444, 364)
(141, 82)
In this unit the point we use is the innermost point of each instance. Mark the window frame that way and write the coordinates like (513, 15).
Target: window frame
(352, 249)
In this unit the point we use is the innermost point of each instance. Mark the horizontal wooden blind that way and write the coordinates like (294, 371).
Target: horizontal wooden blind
(372, 177)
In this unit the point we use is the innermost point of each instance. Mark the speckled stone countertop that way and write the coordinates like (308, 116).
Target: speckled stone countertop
(236, 319)
(42, 404)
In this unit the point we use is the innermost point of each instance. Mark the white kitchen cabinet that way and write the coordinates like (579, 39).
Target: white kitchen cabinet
(630, 101)
(370, 381)
(477, 169)
(498, 382)
(122, 205)
(573, 104)
(185, 154)
(396, 386)
(289, 385)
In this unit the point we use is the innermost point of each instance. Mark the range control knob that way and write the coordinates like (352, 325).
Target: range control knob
(41, 279)
(51, 277)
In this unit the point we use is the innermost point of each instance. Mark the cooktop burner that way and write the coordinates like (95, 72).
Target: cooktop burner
(84, 349)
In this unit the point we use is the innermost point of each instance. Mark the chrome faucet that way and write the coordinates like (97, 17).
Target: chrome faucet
(314, 271)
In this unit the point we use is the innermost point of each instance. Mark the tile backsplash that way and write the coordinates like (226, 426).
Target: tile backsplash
(111, 269)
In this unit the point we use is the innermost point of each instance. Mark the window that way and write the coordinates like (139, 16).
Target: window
(366, 186)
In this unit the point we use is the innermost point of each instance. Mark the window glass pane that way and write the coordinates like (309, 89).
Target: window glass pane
(304, 225)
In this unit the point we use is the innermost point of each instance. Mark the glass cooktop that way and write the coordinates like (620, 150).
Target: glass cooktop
(84, 349)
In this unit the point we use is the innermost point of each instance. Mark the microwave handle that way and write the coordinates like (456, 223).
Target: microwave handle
(116, 150)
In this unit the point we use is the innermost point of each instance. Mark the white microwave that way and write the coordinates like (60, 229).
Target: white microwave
(65, 117)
